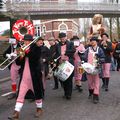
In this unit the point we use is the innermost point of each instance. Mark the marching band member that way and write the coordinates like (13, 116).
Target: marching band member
(92, 54)
(97, 27)
(30, 78)
(14, 69)
(106, 45)
(77, 61)
(66, 50)
(45, 57)
(53, 46)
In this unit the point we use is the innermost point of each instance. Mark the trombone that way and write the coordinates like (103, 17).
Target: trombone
(7, 62)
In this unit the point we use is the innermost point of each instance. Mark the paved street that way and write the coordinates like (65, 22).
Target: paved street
(79, 108)
(3, 74)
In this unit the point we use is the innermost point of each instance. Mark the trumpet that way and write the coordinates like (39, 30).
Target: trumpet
(21, 53)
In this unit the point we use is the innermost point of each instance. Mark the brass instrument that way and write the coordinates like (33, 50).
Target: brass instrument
(4, 65)
(19, 29)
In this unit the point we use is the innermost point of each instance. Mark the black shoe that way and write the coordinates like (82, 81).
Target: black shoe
(95, 99)
(12, 96)
(106, 89)
(68, 97)
(55, 88)
(90, 94)
(80, 89)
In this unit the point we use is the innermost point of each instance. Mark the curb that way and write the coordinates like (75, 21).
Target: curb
(4, 79)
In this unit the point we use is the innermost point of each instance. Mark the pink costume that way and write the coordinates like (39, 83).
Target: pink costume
(26, 84)
(106, 70)
(14, 74)
(77, 60)
(93, 80)
(63, 57)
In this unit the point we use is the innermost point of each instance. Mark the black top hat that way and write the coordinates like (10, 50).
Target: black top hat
(74, 38)
(40, 38)
(94, 39)
(61, 35)
(28, 37)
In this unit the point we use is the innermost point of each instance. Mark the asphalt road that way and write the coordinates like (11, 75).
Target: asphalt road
(78, 108)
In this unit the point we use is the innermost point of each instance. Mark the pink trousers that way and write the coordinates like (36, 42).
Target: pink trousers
(106, 70)
(14, 74)
(94, 83)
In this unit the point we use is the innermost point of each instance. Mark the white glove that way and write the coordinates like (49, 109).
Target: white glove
(13, 54)
(8, 56)
(44, 60)
(82, 62)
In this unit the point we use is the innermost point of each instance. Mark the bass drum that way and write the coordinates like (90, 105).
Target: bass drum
(22, 27)
(64, 71)
(90, 69)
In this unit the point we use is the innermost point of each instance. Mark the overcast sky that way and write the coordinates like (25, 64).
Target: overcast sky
(4, 26)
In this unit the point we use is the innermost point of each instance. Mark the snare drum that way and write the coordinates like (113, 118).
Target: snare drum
(90, 69)
(64, 71)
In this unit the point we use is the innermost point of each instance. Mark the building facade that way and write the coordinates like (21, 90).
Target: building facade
(51, 28)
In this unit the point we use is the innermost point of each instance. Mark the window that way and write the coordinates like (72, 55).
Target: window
(44, 30)
(37, 31)
(63, 28)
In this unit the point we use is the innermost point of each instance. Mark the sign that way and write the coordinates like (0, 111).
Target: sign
(22, 27)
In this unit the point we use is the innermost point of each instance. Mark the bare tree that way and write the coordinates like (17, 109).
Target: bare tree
(118, 23)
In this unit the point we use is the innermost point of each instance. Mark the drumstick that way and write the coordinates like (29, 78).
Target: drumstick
(55, 60)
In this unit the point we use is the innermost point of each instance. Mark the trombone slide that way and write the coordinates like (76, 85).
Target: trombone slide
(20, 54)
(8, 63)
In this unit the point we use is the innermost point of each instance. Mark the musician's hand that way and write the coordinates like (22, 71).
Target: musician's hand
(104, 43)
(54, 65)
(82, 62)
(44, 60)
(13, 54)
(8, 56)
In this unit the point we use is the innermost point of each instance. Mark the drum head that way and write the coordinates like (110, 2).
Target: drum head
(64, 71)
(90, 69)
